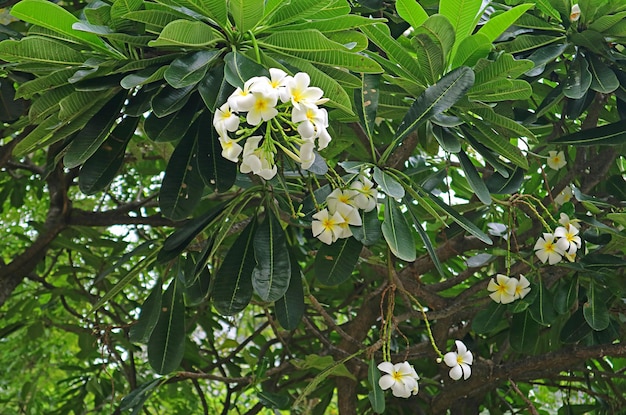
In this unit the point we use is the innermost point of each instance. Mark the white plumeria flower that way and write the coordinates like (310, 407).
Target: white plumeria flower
(273, 84)
(556, 160)
(564, 197)
(241, 100)
(327, 227)
(502, 289)
(225, 120)
(340, 196)
(568, 238)
(298, 91)
(230, 149)
(323, 139)
(522, 288)
(401, 378)
(307, 156)
(566, 221)
(263, 108)
(256, 160)
(366, 196)
(311, 118)
(575, 13)
(459, 361)
(350, 216)
(497, 229)
(547, 250)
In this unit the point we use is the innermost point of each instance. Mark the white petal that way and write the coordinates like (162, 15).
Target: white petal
(386, 367)
(450, 359)
(460, 347)
(467, 370)
(456, 372)
(386, 381)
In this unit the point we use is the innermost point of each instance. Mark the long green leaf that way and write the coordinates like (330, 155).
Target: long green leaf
(474, 179)
(426, 239)
(461, 221)
(603, 79)
(334, 263)
(148, 317)
(189, 69)
(366, 102)
(397, 232)
(290, 308)
(246, 13)
(463, 14)
(496, 25)
(232, 290)
(217, 172)
(270, 277)
(542, 309)
(524, 333)
(388, 184)
(610, 134)
(166, 345)
(595, 308)
(412, 12)
(214, 9)
(185, 33)
(376, 395)
(40, 49)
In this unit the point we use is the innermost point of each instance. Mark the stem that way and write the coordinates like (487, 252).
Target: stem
(255, 46)
(427, 323)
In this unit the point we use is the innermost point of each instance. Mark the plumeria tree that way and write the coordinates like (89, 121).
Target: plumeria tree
(311, 207)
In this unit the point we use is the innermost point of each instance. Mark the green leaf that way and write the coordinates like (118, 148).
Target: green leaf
(524, 43)
(214, 89)
(497, 25)
(342, 58)
(246, 13)
(44, 83)
(603, 79)
(412, 12)
(501, 90)
(366, 102)
(547, 8)
(239, 68)
(578, 78)
(99, 170)
(464, 15)
(142, 77)
(290, 308)
(334, 263)
(575, 328)
(448, 140)
(217, 172)
(270, 277)
(397, 232)
(461, 221)
(95, 132)
(542, 309)
(605, 22)
(232, 290)
(185, 33)
(166, 346)
(182, 185)
(435, 100)
(214, 9)
(40, 49)
(370, 231)
(500, 185)
(471, 49)
(334, 24)
(376, 395)
(489, 318)
(595, 309)
(190, 69)
(169, 100)
(430, 56)
(292, 11)
(148, 317)
(139, 396)
(524, 333)
(610, 134)
(426, 239)
(566, 295)
(388, 184)
(155, 20)
(173, 126)
(474, 179)
(52, 16)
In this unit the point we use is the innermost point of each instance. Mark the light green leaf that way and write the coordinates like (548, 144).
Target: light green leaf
(186, 33)
(294, 10)
(334, 24)
(471, 49)
(496, 25)
(246, 13)
(52, 16)
(388, 184)
(604, 23)
(40, 49)
(529, 42)
(155, 20)
(546, 7)
(166, 346)
(270, 277)
(412, 12)
(464, 15)
(430, 56)
(214, 9)
(334, 263)
(501, 90)
(397, 232)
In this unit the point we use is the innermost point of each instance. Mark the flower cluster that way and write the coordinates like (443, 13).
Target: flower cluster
(459, 361)
(342, 210)
(505, 289)
(401, 378)
(564, 242)
(289, 110)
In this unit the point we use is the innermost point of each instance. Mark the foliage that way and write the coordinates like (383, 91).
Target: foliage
(148, 268)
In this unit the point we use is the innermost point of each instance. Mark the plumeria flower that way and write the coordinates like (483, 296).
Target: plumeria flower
(327, 227)
(502, 289)
(263, 108)
(298, 91)
(366, 196)
(230, 149)
(566, 221)
(225, 120)
(257, 160)
(401, 378)
(350, 216)
(522, 287)
(575, 13)
(568, 238)
(323, 139)
(312, 120)
(556, 160)
(340, 196)
(497, 229)
(307, 156)
(459, 361)
(241, 100)
(564, 197)
(547, 250)
(273, 84)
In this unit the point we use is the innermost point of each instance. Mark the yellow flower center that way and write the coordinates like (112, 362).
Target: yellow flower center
(549, 247)
(260, 104)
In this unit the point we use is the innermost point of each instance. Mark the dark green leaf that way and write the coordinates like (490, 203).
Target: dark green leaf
(370, 231)
(499, 185)
(524, 333)
(595, 309)
(489, 318)
(170, 100)
(610, 134)
(463, 222)
(447, 140)
(217, 172)
(189, 69)
(172, 127)
(239, 68)
(542, 309)
(290, 308)
(138, 397)
(426, 239)
(214, 89)
(167, 341)
(274, 400)
(388, 184)
(334, 263)
(150, 311)
(376, 395)
(578, 78)
(366, 102)
(232, 289)
(397, 232)
(474, 179)
(565, 295)
(575, 328)
(604, 79)
(270, 277)
(182, 185)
